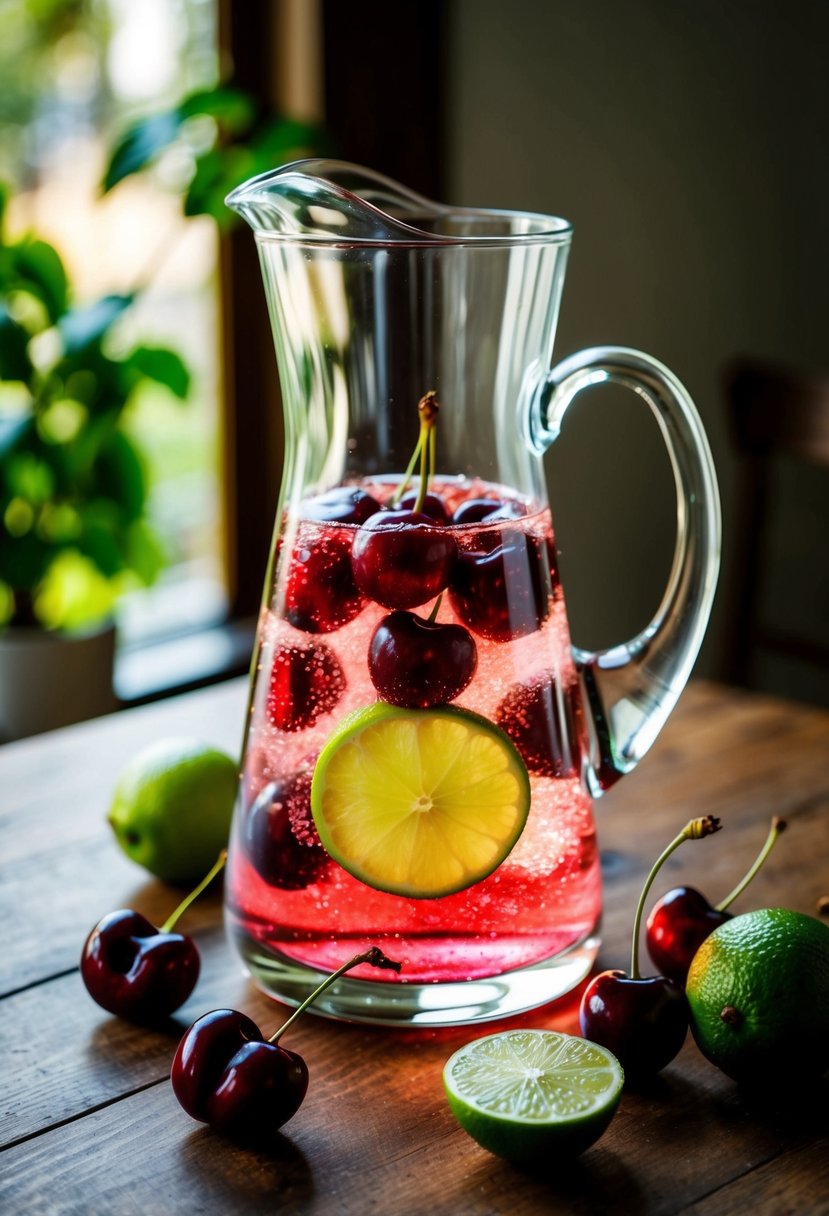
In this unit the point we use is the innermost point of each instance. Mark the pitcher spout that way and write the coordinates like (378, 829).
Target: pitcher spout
(331, 200)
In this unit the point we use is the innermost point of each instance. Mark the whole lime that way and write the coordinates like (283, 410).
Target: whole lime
(758, 991)
(172, 807)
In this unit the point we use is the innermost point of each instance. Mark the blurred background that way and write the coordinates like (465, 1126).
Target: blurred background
(685, 142)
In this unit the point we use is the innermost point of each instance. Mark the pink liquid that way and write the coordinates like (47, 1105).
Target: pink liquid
(544, 897)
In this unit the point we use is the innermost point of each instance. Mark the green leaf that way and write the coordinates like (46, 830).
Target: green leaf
(140, 144)
(144, 553)
(162, 365)
(217, 172)
(120, 475)
(29, 477)
(40, 269)
(232, 108)
(286, 139)
(101, 546)
(73, 462)
(23, 559)
(82, 327)
(73, 592)
(15, 363)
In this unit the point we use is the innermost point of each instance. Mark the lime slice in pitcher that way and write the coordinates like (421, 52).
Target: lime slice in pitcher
(419, 802)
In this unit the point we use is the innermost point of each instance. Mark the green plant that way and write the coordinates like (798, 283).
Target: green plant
(222, 136)
(73, 489)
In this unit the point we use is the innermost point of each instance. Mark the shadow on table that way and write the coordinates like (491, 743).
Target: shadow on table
(273, 1176)
(598, 1181)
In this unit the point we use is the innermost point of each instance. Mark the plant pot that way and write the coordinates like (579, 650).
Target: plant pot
(53, 679)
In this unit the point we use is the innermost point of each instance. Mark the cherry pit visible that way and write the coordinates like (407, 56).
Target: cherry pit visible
(424, 743)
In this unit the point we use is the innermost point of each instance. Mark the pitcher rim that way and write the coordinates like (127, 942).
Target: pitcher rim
(546, 229)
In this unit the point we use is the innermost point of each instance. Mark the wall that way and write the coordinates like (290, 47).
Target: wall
(688, 143)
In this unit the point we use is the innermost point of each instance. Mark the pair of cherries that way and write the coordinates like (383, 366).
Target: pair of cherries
(644, 1020)
(225, 1072)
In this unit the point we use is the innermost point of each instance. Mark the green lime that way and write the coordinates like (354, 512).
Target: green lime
(758, 990)
(172, 807)
(533, 1095)
(419, 802)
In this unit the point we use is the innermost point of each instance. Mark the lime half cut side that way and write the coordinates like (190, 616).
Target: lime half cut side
(419, 802)
(533, 1095)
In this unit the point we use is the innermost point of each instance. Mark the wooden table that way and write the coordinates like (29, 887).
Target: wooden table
(90, 1125)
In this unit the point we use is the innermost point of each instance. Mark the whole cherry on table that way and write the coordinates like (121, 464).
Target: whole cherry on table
(133, 969)
(227, 1074)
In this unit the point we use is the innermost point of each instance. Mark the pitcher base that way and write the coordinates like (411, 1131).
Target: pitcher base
(438, 1004)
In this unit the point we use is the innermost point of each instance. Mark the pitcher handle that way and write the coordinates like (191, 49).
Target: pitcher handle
(629, 690)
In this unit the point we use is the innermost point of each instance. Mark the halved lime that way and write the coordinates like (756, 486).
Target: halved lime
(533, 1095)
(419, 802)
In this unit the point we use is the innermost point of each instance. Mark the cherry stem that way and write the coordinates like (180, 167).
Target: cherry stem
(425, 448)
(777, 826)
(186, 902)
(425, 437)
(432, 617)
(428, 409)
(407, 476)
(695, 829)
(374, 957)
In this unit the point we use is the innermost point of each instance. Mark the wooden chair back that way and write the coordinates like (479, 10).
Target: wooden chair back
(773, 412)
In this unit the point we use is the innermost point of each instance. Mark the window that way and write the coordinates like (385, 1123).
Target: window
(74, 73)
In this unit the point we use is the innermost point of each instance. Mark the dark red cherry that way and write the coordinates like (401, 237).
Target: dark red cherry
(503, 593)
(342, 505)
(418, 663)
(433, 506)
(541, 717)
(402, 558)
(227, 1074)
(320, 593)
(682, 920)
(473, 510)
(677, 926)
(492, 510)
(135, 970)
(306, 682)
(280, 837)
(642, 1021)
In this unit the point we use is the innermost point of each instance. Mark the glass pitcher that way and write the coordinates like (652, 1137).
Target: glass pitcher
(423, 742)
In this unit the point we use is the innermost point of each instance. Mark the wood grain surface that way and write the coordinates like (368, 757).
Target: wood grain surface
(90, 1125)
